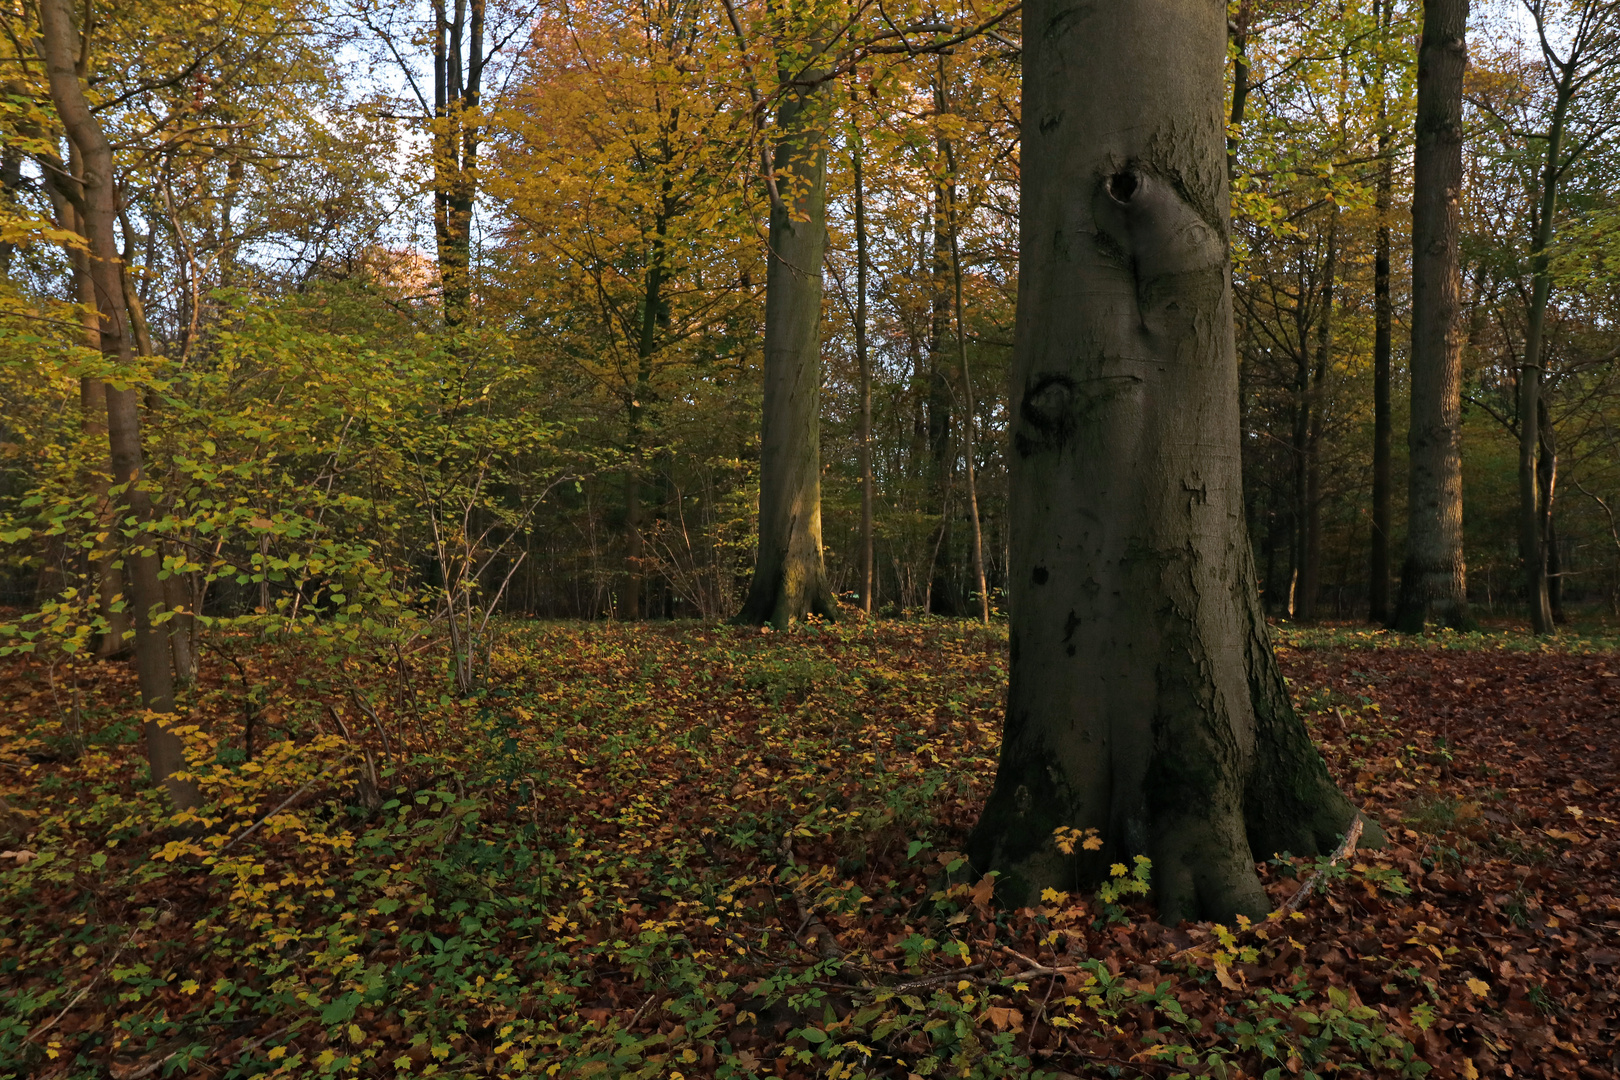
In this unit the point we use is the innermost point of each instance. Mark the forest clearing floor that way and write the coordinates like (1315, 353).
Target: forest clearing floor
(682, 850)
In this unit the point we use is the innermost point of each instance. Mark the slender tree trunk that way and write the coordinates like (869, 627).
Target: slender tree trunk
(1547, 491)
(1532, 517)
(1434, 585)
(968, 441)
(790, 576)
(863, 360)
(1383, 322)
(61, 47)
(1240, 84)
(1144, 699)
(1310, 576)
(953, 228)
(942, 598)
(456, 94)
(11, 158)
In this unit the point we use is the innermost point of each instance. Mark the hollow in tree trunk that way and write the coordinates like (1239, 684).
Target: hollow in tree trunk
(1144, 699)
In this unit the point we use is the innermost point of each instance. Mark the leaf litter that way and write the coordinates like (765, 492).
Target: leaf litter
(697, 851)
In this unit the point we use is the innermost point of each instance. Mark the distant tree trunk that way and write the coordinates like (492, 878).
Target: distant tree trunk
(1383, 321)
(1547, 491)
(1310, 575)
(456, 94)
(868, 579)
(1533, 516)
(11, 159)
(790, 576)
(109, 579)
(953, 226)
(1240, 83)
(652, 302)
(1434, 578)
(942, 598)
(1144, 699)
(61, 46)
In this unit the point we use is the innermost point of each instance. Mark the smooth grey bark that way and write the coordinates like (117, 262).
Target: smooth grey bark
(61, 47)
(790, 576)
(1434, 586)
(863, 361)
(1144, 699)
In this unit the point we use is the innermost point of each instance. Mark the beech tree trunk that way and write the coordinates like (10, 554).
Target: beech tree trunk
(1434, 585)
(790, 576)
(142, 563)
(1144, 698)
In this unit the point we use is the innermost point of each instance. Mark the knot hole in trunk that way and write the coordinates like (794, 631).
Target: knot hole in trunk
(1122, 185)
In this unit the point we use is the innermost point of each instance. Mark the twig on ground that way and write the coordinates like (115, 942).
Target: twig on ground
(1293, 903)
(826, 944)
(52, 1022)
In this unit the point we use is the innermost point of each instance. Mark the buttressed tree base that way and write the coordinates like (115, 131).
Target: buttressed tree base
(1144, 700)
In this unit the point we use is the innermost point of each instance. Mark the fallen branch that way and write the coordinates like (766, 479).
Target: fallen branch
(1293, 903)
(826, 944)
(52, 1022)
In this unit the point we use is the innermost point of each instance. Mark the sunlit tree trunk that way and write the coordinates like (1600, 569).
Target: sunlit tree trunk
(61, 47)
(790, 577)
(1144, 699)
(1434, 577)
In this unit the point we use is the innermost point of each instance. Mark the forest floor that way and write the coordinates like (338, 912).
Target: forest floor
(687, 850)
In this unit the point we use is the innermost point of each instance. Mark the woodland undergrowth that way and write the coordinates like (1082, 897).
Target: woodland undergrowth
(687, 851)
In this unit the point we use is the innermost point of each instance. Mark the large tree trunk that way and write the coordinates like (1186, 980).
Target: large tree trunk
(1434, 578)
(1144, 699)
(61, 47)
(1383, 321)
(863, 361)
(790, 577)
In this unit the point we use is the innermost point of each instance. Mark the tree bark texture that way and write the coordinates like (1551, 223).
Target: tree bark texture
(790, 576)
(1434, 577)
(142, 562)
(1144, 699)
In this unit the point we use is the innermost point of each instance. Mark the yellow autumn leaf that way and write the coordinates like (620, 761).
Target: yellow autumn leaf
(1480, 987)
(1093, 842)
(1118, 869)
